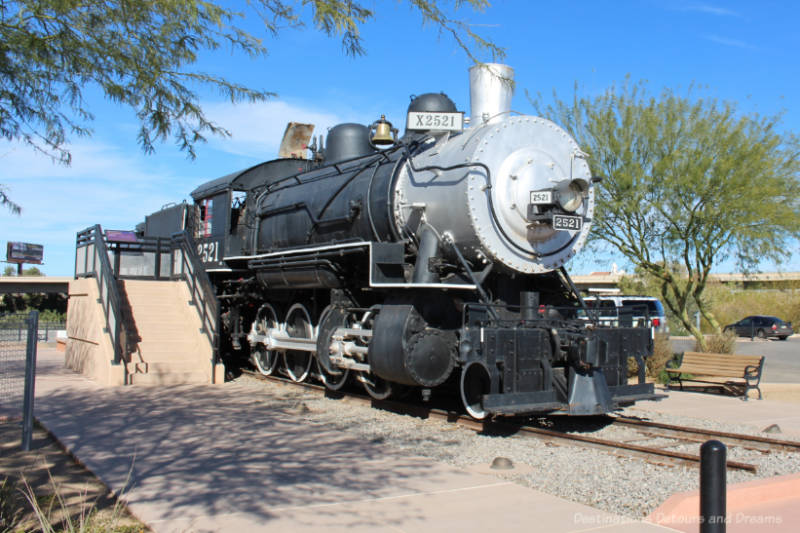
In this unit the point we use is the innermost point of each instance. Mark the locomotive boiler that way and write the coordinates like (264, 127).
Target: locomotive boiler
(428, 261)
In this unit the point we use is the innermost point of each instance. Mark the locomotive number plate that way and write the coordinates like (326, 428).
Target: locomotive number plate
(426, 121)
(566, 222)
(541, 197)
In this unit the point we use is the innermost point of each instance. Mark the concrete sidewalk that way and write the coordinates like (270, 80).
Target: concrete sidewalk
(758, 414)
(216, 458)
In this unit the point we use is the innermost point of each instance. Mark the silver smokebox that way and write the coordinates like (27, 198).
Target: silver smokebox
(491, 86)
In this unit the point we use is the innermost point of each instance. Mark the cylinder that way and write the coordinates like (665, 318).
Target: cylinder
(712, 487)
(491, 86)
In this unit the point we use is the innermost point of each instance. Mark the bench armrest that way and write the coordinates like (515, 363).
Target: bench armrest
(752, 371)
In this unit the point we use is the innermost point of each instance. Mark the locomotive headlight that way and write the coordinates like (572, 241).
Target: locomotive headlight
(570, 197)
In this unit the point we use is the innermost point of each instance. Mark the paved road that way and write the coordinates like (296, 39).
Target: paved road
(782, 364)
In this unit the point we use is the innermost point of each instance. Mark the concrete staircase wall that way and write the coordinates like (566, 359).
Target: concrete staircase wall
(89, 349)
(172, 348)
(169, 346)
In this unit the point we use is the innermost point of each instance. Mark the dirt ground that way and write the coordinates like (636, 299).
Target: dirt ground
(64, 490)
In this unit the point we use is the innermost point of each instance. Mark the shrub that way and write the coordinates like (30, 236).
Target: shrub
(719, 343)
(662, 353)
(654, 365)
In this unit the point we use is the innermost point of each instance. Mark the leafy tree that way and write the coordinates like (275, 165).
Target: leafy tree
(141, 54)
(688, 182)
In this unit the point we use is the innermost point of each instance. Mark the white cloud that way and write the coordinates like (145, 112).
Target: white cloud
(257, 128)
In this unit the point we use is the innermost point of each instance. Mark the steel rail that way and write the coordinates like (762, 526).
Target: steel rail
(646, 452)
(750, 442)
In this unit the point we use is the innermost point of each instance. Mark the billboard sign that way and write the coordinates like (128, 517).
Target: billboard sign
(24, 252)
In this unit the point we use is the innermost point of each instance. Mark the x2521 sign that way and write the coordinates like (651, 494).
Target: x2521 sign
(432, 121)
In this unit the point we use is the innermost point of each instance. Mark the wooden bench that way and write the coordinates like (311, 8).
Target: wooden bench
(746, 368)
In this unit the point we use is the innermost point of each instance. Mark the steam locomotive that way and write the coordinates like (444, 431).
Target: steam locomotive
(428, 261)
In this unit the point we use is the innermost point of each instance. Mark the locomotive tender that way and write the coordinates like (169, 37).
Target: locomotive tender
(435, 260)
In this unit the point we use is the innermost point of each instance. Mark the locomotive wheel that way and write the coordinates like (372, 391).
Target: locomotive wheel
(335, 380)
(475, 382)
(298, 325)
(265, 361)
(377, 387)
(333, 377)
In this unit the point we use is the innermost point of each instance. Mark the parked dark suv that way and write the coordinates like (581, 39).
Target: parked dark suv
(761, 327)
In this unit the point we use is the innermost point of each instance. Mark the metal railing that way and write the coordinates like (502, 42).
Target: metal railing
(91, 260)
(152, 258)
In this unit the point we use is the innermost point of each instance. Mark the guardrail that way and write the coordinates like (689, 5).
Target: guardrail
(14, 328)
(91, 260)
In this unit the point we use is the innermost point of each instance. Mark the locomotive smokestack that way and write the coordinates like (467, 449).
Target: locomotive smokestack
(491, 86)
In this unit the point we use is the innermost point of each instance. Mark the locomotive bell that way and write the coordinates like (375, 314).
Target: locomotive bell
(384, 133)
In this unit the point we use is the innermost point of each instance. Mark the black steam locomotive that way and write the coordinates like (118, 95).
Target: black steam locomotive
(430, 260)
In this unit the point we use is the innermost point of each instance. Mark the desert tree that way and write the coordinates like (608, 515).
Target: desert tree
(687, 183)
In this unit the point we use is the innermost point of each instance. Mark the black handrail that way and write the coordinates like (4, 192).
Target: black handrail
(184, 264)
(106, 283)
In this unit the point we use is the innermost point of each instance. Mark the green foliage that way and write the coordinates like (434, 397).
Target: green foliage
(51, 307)
(732, 305)
(688, 182)
(141, 54)
(728, 303)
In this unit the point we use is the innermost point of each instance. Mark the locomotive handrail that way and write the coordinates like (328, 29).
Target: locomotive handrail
(101, 270)
(189, 268)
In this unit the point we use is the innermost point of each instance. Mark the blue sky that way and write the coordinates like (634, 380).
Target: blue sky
(742, 51)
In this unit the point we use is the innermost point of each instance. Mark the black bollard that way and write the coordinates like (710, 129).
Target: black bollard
(712, 487)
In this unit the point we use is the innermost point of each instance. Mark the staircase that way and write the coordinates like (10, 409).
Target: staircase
(171, 347)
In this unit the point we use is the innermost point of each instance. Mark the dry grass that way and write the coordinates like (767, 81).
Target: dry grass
(654, 365)
(730, 306)
(46, 490)
(718, 343)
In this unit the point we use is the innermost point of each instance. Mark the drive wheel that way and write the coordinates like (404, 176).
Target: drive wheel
(761, 334)
(265, 361)
(298, 326)
(377, 387)
(332, 376)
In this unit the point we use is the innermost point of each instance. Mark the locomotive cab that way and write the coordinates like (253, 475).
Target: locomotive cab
(224, 211)
(219, 208)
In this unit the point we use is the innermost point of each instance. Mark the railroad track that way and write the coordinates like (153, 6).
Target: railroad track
(644, 428)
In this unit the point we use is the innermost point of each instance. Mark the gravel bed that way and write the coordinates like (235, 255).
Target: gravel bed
(626, 486)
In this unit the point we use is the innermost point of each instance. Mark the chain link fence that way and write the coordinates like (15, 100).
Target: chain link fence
(13, 349)
(18, 368)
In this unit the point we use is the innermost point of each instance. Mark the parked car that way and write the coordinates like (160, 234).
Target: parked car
(613, 309)
(762, 327)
